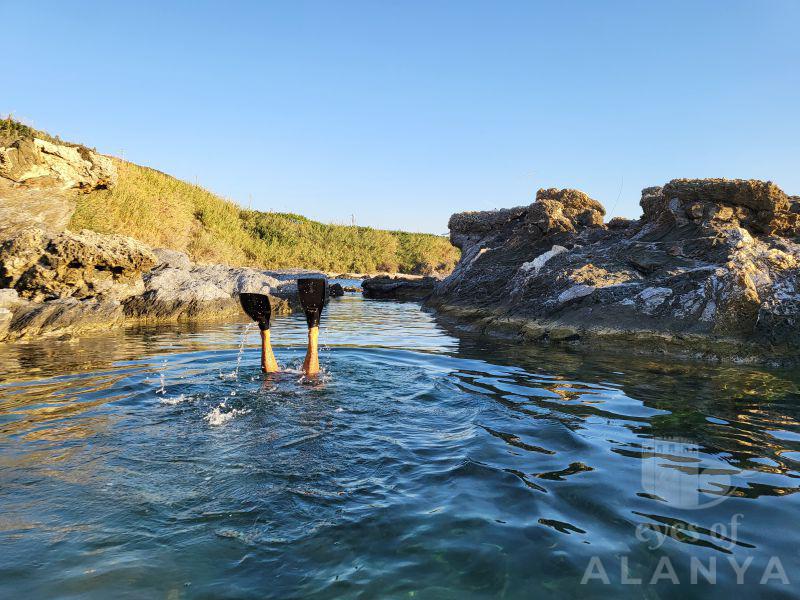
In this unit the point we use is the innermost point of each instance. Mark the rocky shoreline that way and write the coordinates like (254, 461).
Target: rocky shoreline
(56, 282)
(67, 283)
(709, 271)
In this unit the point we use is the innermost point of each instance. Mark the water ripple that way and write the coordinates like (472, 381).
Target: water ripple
(426, 462)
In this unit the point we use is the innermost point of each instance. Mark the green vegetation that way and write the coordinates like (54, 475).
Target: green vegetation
(12, 130)
(165, 212)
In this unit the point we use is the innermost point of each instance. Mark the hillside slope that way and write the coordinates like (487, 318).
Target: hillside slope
(165, 212)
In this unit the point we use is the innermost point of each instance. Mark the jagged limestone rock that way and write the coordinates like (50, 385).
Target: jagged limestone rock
(709, 270)
(39, 162)
(81, 265)
(39, 180)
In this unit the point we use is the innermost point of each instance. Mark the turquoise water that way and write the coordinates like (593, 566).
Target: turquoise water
(426, 463)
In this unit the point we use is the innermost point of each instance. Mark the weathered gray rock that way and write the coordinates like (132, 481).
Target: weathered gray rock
(709, 270)
(172, 258)
(64, 316)
(398, 287)
(170, 294)
(41, 266)
(66, 283)
(203, 292)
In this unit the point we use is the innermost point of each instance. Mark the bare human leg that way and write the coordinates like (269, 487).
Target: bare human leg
(268, 362)
(311, 363)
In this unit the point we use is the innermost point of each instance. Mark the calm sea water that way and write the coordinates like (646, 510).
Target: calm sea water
(425, 463)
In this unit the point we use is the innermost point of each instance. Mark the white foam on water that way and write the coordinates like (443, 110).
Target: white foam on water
(217, 417)
(322, 377)
(174, 401)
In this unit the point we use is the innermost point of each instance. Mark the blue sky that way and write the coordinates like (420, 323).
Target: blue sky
(401, 113)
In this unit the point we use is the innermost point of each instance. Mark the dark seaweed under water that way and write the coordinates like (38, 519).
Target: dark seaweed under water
(426, 463)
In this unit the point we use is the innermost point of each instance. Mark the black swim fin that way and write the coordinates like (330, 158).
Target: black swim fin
(257, 307)
(313, 292)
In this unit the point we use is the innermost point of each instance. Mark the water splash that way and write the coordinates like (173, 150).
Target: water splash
(321, 378)
(235, 373)
(219, 415)
(177, 400)
(162, 379)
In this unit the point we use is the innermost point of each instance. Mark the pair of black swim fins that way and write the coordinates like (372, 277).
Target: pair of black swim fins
(313, 292)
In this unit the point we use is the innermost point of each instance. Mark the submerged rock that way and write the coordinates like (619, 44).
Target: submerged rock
(709, 270)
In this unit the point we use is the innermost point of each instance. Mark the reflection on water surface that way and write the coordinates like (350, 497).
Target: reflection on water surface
(426, 462)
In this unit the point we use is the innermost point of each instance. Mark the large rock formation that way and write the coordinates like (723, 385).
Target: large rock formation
(404, 287)
(68, 283)
(42, 266)
(22, 206)
(34, 161)
(179, 290)
(709, 270)
(39, 180)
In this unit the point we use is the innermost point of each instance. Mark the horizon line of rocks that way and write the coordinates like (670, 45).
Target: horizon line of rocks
(760, 206)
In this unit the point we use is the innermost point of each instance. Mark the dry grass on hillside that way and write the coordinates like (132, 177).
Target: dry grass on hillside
(165, 212)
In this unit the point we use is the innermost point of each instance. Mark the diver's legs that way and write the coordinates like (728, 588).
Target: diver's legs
(268, 362)
(312, 291)
(311, 363)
